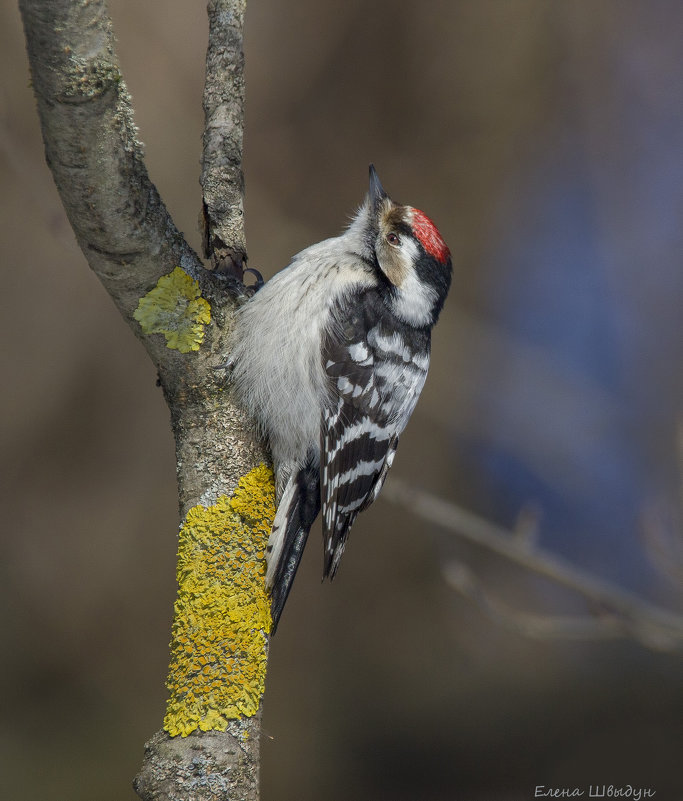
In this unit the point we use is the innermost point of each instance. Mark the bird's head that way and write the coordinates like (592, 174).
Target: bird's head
(408, 252)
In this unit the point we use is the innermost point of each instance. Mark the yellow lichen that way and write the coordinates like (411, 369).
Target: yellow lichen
(222, 613)
(176, 309)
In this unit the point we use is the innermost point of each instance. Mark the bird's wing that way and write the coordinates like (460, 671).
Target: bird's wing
(376, 381)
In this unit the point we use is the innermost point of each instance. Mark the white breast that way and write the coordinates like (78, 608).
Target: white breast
(277, 369)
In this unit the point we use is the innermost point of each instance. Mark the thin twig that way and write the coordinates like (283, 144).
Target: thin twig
(627, 613)
(576, 627)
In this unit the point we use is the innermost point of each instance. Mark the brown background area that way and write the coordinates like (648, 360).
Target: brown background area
(545, 139)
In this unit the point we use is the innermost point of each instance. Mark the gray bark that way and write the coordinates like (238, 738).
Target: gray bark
(222, 179)
(130, 241)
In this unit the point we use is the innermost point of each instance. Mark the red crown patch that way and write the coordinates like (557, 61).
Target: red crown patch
(429, 236)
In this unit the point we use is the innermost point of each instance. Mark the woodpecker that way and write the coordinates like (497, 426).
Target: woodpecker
(329, 358)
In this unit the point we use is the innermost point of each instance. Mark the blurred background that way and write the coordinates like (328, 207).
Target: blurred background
(546, 141)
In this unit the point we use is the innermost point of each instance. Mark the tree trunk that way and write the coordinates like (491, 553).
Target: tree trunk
(209, 746)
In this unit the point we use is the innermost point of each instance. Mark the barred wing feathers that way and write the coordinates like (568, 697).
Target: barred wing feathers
(377, 379)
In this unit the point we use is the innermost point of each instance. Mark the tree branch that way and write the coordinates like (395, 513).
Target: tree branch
(222, 179)
(621, 613)
(91, 146)
(210, 743)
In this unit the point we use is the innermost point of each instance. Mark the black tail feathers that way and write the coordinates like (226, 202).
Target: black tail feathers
(302, 497)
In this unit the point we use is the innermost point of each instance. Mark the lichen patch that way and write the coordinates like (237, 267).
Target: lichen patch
(222, 613)
(176, 309)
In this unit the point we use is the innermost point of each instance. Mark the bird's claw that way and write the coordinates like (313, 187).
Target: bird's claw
(259, 280)
(226, 365)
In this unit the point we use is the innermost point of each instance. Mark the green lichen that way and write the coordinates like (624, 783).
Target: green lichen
(89, 77)
(176, 309)
(222, 613)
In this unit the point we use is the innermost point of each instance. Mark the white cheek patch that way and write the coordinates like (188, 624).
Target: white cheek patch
(414, 300)
(408, 254)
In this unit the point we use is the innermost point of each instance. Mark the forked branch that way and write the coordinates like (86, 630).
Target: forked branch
(182, 313)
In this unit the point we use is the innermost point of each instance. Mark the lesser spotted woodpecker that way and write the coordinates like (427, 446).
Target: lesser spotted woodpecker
(329, 358)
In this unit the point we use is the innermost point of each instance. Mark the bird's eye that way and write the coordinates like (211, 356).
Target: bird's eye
(393, 239)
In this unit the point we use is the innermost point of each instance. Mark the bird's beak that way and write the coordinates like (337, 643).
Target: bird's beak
(376, 193)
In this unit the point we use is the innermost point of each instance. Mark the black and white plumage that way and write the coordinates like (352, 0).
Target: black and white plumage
(330, 357)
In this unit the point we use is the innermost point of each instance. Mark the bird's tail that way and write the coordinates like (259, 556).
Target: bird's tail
(297, 510)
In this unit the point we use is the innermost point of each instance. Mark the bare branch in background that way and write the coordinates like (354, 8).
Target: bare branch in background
(662, 526)
(621, 613)
(663, 538)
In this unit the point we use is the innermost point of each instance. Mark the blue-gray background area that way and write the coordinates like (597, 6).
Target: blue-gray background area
(546, 141)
